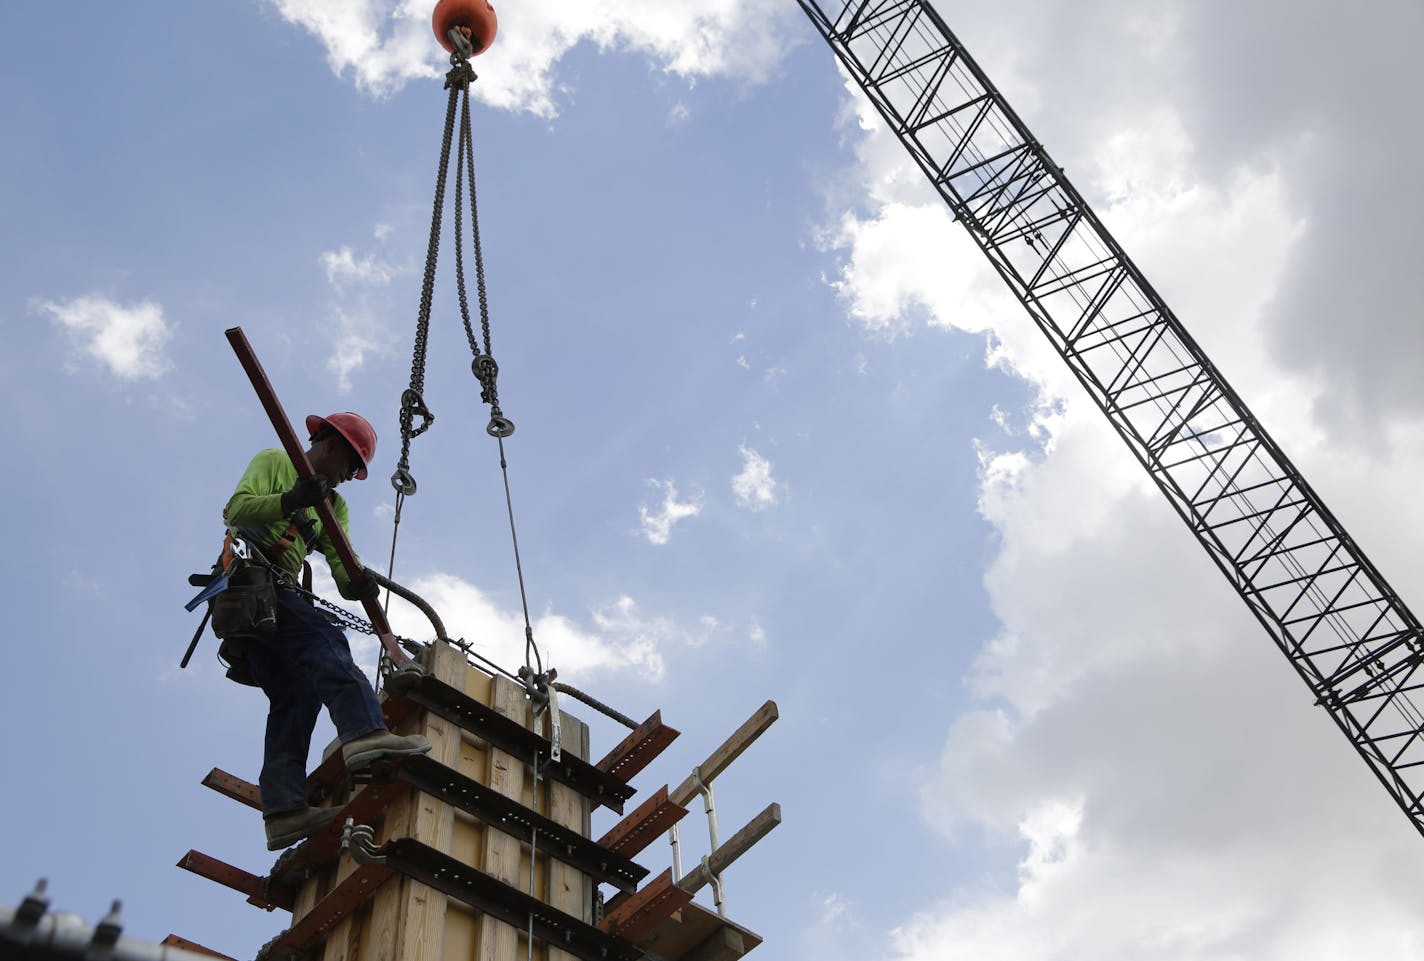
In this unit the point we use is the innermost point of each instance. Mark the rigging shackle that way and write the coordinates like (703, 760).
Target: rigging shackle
(403, 482)
(413, 406)
(486, 371)
(464, 27)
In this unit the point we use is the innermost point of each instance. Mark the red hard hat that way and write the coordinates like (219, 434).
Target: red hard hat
(354, 429)
(475, 16)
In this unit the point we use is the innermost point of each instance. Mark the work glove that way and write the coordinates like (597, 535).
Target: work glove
(364, 589)
(307, 492)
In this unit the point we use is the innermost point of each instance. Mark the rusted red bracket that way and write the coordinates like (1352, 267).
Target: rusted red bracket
(638, 749)
(341, 902)
(243, 882)
(645, 825)
(292, 445)
(230, 785)
(645, 910)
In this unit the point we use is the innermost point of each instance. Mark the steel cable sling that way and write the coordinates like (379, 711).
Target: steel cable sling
(416, 416)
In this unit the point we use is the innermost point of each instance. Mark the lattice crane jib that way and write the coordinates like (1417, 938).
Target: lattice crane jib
(1332, 614)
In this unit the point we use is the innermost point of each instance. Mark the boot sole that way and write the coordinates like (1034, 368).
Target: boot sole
(283, 841)
(364, 759)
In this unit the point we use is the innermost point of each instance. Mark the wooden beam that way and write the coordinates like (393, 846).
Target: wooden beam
(570, 891)
(726, 945)
(730, 750)
(694, 929)
(174, 941)
(737, 845)
(499, 941)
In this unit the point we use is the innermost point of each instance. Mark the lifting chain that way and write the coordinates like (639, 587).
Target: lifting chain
(415, 415)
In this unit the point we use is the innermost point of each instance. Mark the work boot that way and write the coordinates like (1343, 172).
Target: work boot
(284, 830)
(365, 751)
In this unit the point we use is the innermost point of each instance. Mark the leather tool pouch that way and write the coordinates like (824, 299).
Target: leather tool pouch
(248, 606)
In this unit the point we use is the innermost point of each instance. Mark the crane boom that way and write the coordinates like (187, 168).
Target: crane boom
(1348, 635)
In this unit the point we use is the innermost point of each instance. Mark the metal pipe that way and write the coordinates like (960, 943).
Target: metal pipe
(675, 839)
(268, 396)
(407, 594)
(709, 804)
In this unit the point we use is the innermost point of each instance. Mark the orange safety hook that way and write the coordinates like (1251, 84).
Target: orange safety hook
(474, 18)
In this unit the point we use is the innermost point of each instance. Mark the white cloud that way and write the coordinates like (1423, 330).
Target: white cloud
(754, 487)
(358, 330)
(1172, 789)
(357, 334)
(343, 267)
(658, 522)
(619, 638)
(382, 44)
(128, 340)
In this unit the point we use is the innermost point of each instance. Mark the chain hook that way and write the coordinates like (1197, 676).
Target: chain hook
(403, 482)
(499, 426)
(464, 49)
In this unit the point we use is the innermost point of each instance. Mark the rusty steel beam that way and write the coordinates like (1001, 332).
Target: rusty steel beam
(292, 445)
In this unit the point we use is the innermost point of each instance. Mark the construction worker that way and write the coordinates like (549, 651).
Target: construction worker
(306, 662)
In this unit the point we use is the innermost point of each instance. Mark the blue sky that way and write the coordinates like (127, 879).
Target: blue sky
(780, 435)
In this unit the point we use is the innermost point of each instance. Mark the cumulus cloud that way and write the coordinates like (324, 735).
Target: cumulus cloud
(358, 334)
(1171, 788)
(618, 637)
(754, 487)
(382, 44)
(128, 340)
(357, 328)
(658, 522)
(344, 267)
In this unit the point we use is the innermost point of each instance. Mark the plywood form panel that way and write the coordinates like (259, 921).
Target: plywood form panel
(569, 890)
(501, 855)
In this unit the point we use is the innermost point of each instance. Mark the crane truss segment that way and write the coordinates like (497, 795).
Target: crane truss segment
(1347, 634)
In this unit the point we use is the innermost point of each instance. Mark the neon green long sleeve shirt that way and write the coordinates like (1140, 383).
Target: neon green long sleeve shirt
(257, 506)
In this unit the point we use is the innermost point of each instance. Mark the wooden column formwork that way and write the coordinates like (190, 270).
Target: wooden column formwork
(350, 908)
(407, 920)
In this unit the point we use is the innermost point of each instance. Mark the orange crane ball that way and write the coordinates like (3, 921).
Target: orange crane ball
(474, 18)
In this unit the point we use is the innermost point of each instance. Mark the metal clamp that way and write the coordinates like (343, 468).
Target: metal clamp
(360, 841)
(709, 804)
(719, 896)
(543, 696)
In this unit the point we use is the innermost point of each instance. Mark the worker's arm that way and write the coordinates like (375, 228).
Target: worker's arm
(257, 502)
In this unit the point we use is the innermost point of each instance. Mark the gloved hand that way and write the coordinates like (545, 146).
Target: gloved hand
(307, 492)
(364, 588)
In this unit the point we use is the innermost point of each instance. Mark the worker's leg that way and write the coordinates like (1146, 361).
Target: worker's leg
(292, 711)
(315, 648)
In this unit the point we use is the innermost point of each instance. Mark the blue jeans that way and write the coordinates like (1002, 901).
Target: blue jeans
(304, 665)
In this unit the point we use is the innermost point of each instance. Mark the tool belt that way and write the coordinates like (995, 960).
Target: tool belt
(248, 607)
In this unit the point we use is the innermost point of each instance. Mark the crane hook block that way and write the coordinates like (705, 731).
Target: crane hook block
(474, 18)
